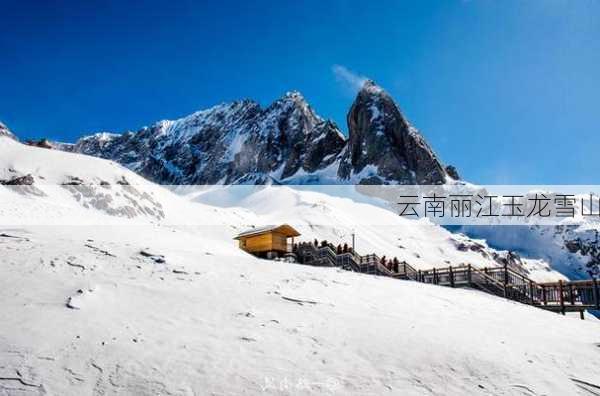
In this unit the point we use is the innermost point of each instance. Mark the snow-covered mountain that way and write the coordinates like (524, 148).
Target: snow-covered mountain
(111, 284)
(4, 131)
(287, 142)
(97, 191)
(383, 147)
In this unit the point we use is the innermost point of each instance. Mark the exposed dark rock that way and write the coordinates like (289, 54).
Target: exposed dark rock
(42, 143)
(383, 147)
(23, 185)
(76, 265)
(317, 150)
(231, 143)
(5, 235)
(157, 258)
(589, 247)
(573, 246)
(26, 180)
(73, 181)
(452, 172)
(99, 251)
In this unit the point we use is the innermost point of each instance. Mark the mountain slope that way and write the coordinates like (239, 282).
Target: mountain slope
(207, 322)
(323, 216)
(48, 187)
(85, 190)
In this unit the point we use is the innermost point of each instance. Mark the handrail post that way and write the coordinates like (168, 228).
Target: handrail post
(435, 278)
(505, 280)
(451, 273)
(469, 274)
(596, 294)
(531, 292)
(571, 294)
(419, 276)
(561, 297)
(544, 297)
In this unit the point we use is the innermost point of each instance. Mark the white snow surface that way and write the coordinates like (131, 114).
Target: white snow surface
(101, 304)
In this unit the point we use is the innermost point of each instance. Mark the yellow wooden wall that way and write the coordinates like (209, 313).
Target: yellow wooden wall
(264, 243)
(279, 242)
(257, 243)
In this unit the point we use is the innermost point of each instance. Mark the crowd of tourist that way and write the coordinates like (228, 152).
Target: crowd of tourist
(390, 264)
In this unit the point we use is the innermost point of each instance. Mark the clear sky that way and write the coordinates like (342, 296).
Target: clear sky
(507, 91)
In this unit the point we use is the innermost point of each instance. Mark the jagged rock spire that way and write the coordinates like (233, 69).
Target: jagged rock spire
(383, 147)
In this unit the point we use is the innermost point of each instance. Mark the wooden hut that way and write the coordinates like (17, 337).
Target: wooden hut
(268, 241)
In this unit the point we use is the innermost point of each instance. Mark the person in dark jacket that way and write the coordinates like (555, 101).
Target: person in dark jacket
(396, 264)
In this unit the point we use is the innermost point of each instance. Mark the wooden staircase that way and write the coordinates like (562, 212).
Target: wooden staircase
(571, 296)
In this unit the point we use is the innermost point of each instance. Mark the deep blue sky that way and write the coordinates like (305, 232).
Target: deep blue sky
(508, 91)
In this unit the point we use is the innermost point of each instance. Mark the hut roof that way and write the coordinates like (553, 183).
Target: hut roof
(285, 229)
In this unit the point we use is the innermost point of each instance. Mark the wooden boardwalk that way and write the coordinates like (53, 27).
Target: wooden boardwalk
(561, 296)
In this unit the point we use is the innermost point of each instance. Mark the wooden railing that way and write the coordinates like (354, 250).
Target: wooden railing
(563, 295)
(502, 281)
(349, 262)
(407, 271)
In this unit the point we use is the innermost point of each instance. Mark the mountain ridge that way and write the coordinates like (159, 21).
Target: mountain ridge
(286, 142)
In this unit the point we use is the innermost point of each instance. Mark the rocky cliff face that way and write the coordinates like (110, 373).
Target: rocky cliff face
(383, 147)
(587, 245)
(287, 142)
(235, 143)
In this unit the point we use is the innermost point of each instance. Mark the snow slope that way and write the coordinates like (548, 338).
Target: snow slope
(315, 214)
(73, 189)
(134, 304)
(100, 196)
(211, 320)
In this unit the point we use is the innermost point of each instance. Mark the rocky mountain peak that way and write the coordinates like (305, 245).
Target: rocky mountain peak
(286, 142)
(294, 95)
(295, 109)
(383, 147)
(4, 131)
(370, 87)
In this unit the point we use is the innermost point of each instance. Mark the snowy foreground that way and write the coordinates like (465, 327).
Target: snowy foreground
(212, 321)
(100, 295)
